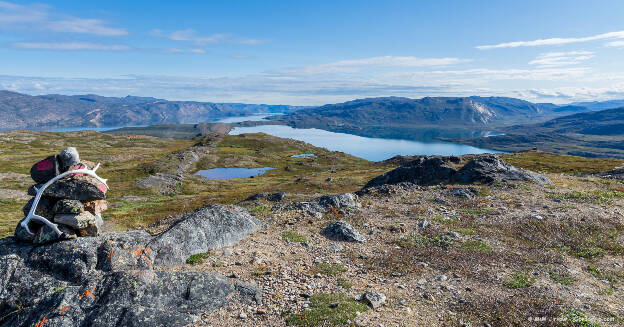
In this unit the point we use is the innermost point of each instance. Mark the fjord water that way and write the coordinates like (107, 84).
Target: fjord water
(370, 148)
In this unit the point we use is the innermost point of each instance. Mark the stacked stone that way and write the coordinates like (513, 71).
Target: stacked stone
(74, 202)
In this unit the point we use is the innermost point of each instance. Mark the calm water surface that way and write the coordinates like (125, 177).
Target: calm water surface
(370, 148)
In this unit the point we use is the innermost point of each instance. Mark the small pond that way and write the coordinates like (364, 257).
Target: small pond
(304, 155)
(229, 173)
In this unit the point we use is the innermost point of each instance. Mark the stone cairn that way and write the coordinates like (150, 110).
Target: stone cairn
(70, 196)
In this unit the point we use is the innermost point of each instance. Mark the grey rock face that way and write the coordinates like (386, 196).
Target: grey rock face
(108, 280)
(69, 157)
(467, 193)
(200, 230)
(81, 188)
(274, 197)
(490, 168)
(340, 230)
(338, 201)
(162, 183)
(486, 168)
(374, 298)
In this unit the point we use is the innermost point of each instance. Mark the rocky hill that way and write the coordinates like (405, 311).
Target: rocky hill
(526, 239)
(474, 112)
(590, 134)
(26, 111)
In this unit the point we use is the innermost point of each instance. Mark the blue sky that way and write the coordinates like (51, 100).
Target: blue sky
(314, 52)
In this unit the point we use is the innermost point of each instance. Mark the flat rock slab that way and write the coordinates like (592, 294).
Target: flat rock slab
(110, 280)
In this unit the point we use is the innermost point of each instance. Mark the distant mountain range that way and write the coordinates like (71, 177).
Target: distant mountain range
(25, 111)
(472, 112)
(589, 134)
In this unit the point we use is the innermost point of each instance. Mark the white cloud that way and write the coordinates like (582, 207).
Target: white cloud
(11, 13)
(41, 17)
(251, 41)
(355, 65)
(554, 41)
(555, 59)
(177, 50)
(615, 44)
(190, 35)
(85, 26)
(69, 46)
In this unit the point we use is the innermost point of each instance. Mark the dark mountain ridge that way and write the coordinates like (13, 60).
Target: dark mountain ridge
(25, 111)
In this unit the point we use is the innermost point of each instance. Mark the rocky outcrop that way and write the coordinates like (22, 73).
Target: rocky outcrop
(198, 231)
(432, 170)
(118, 279)
(491, 168)
(341, 231)
(163, 184)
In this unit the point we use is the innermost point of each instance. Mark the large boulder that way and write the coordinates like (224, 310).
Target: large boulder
(198, 231)
(119, 278)
(484, 168)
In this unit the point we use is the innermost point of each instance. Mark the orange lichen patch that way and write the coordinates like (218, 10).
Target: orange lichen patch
(42, 322)
(143, 253)
(63, 309)
(110, 256)
(335, 212)
(87, 293)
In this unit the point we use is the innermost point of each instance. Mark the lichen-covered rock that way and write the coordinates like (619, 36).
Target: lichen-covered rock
(45, 208)
(340, 230)
(45, 234)
(86, 223)
(489, 168)
(68, 207)
(109, 280)
(374, 298)
(164, 184)
(198, 231)
(77, 187)
(46, 169)
(339, 201)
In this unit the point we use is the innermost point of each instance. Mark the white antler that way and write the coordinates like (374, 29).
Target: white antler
(31, 214)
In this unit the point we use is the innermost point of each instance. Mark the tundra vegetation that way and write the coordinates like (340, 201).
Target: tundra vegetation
(512, 253)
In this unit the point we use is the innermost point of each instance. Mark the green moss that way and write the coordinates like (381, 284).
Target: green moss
(293, 236)
(575, 318)
(329, 269)
(327, 310)
(562, 279)
(476, 246)
(344, 283)
(519, 280)
(417, 240)
(197, 259)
